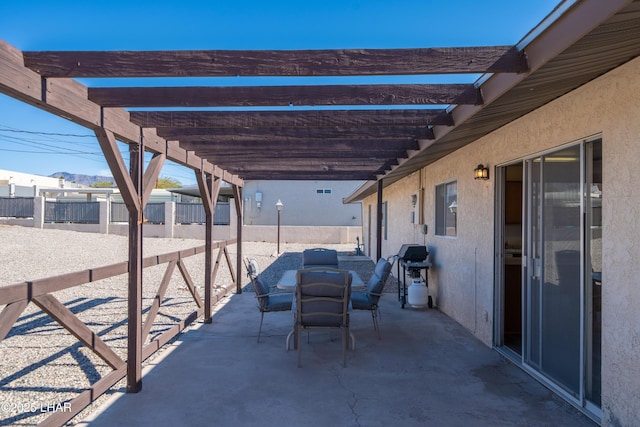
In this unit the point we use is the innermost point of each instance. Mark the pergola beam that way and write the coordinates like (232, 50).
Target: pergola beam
(355, 146)
(342, 62)
(261, 156)
(295, 134)
(308, 162)
(314, 164)
(286, 96)
(310, 175)
(296, 119)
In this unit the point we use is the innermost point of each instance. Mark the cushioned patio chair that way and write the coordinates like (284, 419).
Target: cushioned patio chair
(320, 257)
(267, 302)
(322, 302)
(368, 299)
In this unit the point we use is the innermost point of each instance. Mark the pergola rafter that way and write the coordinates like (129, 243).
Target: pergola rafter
(288, 125)
(284, 138)
(286, 96)
(296, 134)
(345, 146)
(231, 63)
(293, 119)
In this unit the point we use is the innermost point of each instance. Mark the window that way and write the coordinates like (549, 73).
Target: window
(323, 191)
(446, 209)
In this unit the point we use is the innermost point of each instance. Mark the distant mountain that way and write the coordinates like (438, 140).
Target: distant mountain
(82, 179)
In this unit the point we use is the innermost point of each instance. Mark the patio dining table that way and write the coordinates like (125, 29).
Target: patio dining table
(289, 278)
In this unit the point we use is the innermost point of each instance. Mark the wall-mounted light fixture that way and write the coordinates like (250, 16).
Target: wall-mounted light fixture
(414, 200)
(481, 172)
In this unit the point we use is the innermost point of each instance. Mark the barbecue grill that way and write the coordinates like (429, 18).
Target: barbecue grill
(413, 259)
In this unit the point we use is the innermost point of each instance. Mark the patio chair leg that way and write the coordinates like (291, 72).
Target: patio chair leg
(260, 328)
(299, 347)
(289, 338)
(346, 336)
(374, 315)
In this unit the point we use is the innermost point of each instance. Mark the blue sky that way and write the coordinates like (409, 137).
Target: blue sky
(33, 141)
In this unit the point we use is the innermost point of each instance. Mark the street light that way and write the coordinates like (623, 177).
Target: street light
(279, 209)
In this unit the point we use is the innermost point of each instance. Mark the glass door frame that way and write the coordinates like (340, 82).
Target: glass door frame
(589, 169)
(536, 267)
(580, 401)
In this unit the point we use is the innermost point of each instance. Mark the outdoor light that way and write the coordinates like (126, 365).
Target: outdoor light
(481, 172)
(453, 207)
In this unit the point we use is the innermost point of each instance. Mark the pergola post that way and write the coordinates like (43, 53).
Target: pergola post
(135, 187)
(134, 324)
(379, 222)
(209, 191)
(237, 194)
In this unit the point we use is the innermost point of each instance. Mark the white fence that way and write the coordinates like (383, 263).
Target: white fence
(175, 229)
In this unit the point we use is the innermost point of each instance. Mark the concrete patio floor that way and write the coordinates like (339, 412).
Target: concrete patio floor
(426, 370)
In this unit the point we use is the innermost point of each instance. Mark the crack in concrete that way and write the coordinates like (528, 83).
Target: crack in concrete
(355, 400)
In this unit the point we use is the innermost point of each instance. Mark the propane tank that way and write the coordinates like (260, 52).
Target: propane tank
(418, 296)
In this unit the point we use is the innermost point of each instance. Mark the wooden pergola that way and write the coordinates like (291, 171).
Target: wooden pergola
(288, 133)
(234, 132)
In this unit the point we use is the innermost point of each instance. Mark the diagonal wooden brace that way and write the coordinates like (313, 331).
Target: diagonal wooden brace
(61, 314)
(112, 154)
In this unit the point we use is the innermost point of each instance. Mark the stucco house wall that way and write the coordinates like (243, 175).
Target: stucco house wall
(463, 273)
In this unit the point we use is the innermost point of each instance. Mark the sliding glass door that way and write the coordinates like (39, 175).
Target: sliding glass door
(553, 288)
(549, 300)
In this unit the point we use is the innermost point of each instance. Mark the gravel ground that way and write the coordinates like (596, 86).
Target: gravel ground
(41, 364)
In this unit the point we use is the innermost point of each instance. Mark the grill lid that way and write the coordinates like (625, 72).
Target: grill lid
(413, 253)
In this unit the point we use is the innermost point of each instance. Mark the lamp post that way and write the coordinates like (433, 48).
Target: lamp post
(279, 209)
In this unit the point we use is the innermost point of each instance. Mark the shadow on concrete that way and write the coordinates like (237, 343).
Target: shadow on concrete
(426, 370)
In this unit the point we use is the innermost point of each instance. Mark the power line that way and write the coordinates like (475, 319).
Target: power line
(53, 146)
(28, 142)
(38, 152)
(9, 129)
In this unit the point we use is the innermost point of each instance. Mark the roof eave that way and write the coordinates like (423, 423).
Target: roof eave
(565, 26)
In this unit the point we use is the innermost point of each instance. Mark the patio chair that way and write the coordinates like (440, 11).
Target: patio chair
(267, 302)
(368, 299)
(320, 257)
(322, 302)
